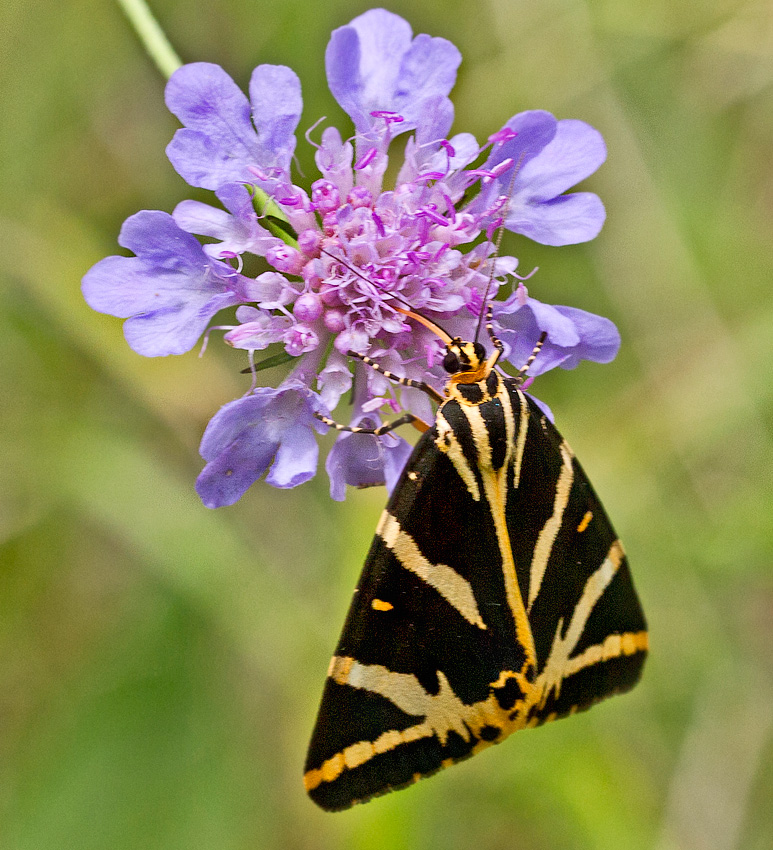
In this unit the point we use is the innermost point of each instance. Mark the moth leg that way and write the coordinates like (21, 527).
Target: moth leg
(407, 419)
(406, 382)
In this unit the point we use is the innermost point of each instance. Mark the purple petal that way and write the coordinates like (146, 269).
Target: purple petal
(436, 120)
(342, 60)
(575, 153)
(543, 407)
(572, 334)
(174, 329)
(237, 230)
(219, 141)
(197, 217)
(560, 329)
(239, 451)
(335, 379)
(296, 458)
(599, 337)
(154, 236)
(534, 130)
(550, 157)
(168, 292)
(257, 329)
(275, 93)
(373, 65)
(334, 160)
(427, 75)
(246, 435)
(565, 220)
(364, 460)
(394, 462)
(519, 332)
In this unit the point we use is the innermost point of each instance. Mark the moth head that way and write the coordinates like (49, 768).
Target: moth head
(463, 356)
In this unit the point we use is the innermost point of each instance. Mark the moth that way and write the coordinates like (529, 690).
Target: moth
(496, 595)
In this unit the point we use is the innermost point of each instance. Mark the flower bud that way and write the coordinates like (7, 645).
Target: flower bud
(308, 307)
(286, 259)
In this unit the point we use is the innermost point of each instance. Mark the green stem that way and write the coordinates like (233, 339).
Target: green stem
(151, 35)
(159, 49)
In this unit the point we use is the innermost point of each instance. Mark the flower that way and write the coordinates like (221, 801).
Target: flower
(347, 254)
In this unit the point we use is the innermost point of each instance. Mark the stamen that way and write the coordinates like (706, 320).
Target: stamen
(436, 217)
(379, 223)
(440, 251)
(205, 338)
(265, 175)
(366, 160)
(500, 168)
(502, 136)
(313, 127)
(389, 117)
(482, 173)
(432, 175)
(526, 277)
(232, 255)
(261, 175)
(495, 224)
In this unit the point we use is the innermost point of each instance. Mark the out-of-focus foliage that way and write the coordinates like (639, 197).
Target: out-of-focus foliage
(160, 664)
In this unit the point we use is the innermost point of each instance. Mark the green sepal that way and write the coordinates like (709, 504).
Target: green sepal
(272, 217)
(275, 360)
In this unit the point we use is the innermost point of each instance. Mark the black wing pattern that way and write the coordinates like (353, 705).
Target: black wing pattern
(476, 613)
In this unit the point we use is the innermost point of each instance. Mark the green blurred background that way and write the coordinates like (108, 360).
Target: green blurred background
(160, 664)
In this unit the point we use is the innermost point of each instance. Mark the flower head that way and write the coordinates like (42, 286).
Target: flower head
(348, 255)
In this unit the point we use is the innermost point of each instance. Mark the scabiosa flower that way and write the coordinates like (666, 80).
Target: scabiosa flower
(348, 255)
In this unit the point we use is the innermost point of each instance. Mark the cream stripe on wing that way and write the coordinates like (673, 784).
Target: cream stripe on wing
(613, 646)
(547, 536)
(523, 428)
(448, 443)
(443, 713)
(455, 589)
(495, 487)
(479, 433)
(492, 484)
(559, 661)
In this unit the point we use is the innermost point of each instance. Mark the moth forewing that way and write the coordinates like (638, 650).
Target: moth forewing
(495, 596)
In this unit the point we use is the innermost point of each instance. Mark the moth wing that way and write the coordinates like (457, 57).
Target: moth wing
(430, 668)
(426, 635)
(584, 613)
